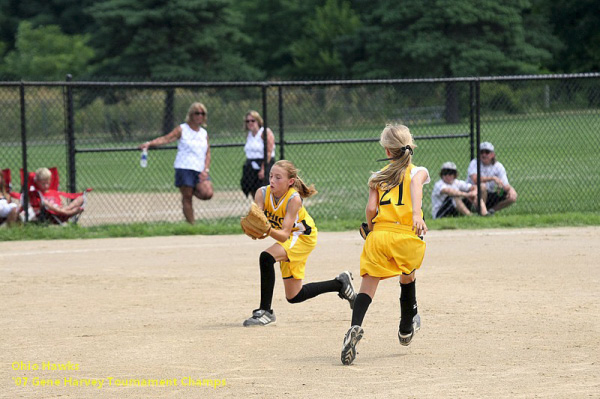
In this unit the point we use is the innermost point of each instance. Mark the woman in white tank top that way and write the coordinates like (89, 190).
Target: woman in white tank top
(255, 172)
(193, 158)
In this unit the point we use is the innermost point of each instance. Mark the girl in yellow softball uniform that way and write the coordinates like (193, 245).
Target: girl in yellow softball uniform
(394, 246)
(296, 235)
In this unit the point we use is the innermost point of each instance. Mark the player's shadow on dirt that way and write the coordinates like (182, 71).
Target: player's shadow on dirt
(362, 359)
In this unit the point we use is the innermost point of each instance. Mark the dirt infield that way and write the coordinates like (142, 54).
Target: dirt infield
(506, 314)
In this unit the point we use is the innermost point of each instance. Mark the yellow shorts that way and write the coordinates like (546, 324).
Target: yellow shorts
(297, 248)
(389, 254)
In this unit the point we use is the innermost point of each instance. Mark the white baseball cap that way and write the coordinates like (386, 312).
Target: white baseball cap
(486, 145)
(449, 165)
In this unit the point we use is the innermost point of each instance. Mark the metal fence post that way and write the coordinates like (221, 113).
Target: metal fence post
(472, 106)
(25, 187)
(478, 140)
(169, 116)
(281, 142)
(70, 135)
(264, 115)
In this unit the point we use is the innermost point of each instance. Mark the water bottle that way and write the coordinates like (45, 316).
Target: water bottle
(144, 158)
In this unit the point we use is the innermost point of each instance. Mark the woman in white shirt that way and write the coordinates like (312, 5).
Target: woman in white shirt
(255, 172)
(193, 158)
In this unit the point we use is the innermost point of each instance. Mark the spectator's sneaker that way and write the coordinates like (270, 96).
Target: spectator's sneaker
(347, 292)
(354, 334)
(260, 317)
(406, 338)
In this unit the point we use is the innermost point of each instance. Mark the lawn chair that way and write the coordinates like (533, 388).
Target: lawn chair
(7, 189)
(39, 199)
(6, 177)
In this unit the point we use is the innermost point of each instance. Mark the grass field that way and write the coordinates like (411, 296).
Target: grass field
(232, 226)
(552, 161)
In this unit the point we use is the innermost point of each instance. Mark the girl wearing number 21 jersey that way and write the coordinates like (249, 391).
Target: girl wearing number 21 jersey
(394, 246)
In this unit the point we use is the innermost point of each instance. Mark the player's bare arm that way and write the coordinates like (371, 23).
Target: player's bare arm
(371, 209)
(416, 195)
(259, 199)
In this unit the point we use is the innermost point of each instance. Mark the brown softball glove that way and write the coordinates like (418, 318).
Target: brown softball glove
(255, 224)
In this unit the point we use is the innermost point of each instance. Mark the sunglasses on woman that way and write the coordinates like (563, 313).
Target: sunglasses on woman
(250, 120)
(199, 113)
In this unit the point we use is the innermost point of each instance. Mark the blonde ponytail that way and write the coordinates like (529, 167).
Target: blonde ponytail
(398, 140)
(304, 190)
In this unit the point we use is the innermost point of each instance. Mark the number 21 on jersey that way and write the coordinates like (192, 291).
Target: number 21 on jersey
(389, 195)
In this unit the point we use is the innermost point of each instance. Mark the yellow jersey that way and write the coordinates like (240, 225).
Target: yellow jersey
(276, 211)
(394, 211)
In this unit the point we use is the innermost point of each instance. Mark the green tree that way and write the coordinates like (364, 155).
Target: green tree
(271, 27)
(577, 24)
(68, 14)
(436, 38)
(45, 53)
(318, 53)
(169, 39)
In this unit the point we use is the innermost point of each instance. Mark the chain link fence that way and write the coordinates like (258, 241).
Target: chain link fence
(545, 130)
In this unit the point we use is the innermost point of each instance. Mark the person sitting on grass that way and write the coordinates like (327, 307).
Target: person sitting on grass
(499, 193)
(452, 196)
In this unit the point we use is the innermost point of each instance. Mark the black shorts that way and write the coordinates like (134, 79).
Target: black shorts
(494, 198)
(449, 210)
(250, 181)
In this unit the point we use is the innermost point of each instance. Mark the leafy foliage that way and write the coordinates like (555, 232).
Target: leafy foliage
(577, 24)
(436, 38)
(317, 53)
(271, 27)
(170, 39)
(68, 14)
(285, 39)
(45, 53)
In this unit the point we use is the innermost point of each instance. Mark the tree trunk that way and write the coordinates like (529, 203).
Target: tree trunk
(451, 113)
(168, 118)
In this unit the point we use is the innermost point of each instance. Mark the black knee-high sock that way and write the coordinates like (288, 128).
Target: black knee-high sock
(267, 280)
(311, 290)
(408, 306)
(361, 304)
